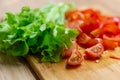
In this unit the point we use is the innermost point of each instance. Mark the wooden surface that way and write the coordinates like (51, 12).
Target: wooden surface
(106, 69)
(12, 68)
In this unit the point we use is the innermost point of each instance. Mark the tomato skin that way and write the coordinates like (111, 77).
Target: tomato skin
(75, 25)
(73, 15)
(110, 26)
(75, 59)
(110, 29)
(68, 51)
(112, 37)
(93, 42)
(91, 20)
(95, 33)
(82, 38)
(95, 51)
(109, 44)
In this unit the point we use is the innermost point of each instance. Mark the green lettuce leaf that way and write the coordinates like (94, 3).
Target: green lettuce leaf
(40, 31)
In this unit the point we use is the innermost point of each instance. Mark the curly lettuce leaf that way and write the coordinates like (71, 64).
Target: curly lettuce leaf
(40, 31)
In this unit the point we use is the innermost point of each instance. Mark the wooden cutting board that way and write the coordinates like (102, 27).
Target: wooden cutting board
(104, 69)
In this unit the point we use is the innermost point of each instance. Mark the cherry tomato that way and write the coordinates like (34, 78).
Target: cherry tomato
(75, 59)
(83, 38)
(68, 51)
(95, 51)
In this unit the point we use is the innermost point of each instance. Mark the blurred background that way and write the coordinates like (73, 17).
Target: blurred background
(15, 5)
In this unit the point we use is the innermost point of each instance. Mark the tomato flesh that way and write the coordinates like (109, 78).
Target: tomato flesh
(109, 44)
(83, 38)
(75, 58)
(95, 51)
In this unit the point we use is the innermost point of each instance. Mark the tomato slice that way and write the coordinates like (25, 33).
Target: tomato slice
(82, 38)
(91, 20)
(68, 51)
(95, 51)
(93, 42)
(110, 29)
(109, 44)
(110, 26)
(75, 25)
(112, 37)
(75, 59)
(95, 33)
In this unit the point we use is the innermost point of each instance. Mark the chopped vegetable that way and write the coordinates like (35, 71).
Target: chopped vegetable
(75, 58)
(95, 51)
(97, 32)
(114, 57)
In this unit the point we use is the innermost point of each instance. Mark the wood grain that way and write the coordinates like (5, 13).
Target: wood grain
(106, 69)
(14, 68)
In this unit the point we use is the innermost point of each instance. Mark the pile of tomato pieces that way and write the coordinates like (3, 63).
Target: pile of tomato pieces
(97, 33)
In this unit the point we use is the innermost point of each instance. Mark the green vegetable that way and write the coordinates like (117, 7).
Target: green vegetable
(40, 31)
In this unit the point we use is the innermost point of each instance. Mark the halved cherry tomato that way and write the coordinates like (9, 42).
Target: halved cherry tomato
(68, 51)
(75, 59)
(95, 51)
(83, 38)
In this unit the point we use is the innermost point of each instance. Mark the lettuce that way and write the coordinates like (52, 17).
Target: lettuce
(40, 31)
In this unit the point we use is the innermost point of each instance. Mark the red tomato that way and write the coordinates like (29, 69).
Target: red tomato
(75, 59)
(110, 26)
(83, 38)
(75, 24)
(91, 20)
(95, 33)
(112, 37)
(110, 29)
(89, 25)
(91, 13)
(109, 44)
(68, 51)
(93, 42)
(95, 51)
(73, 15)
